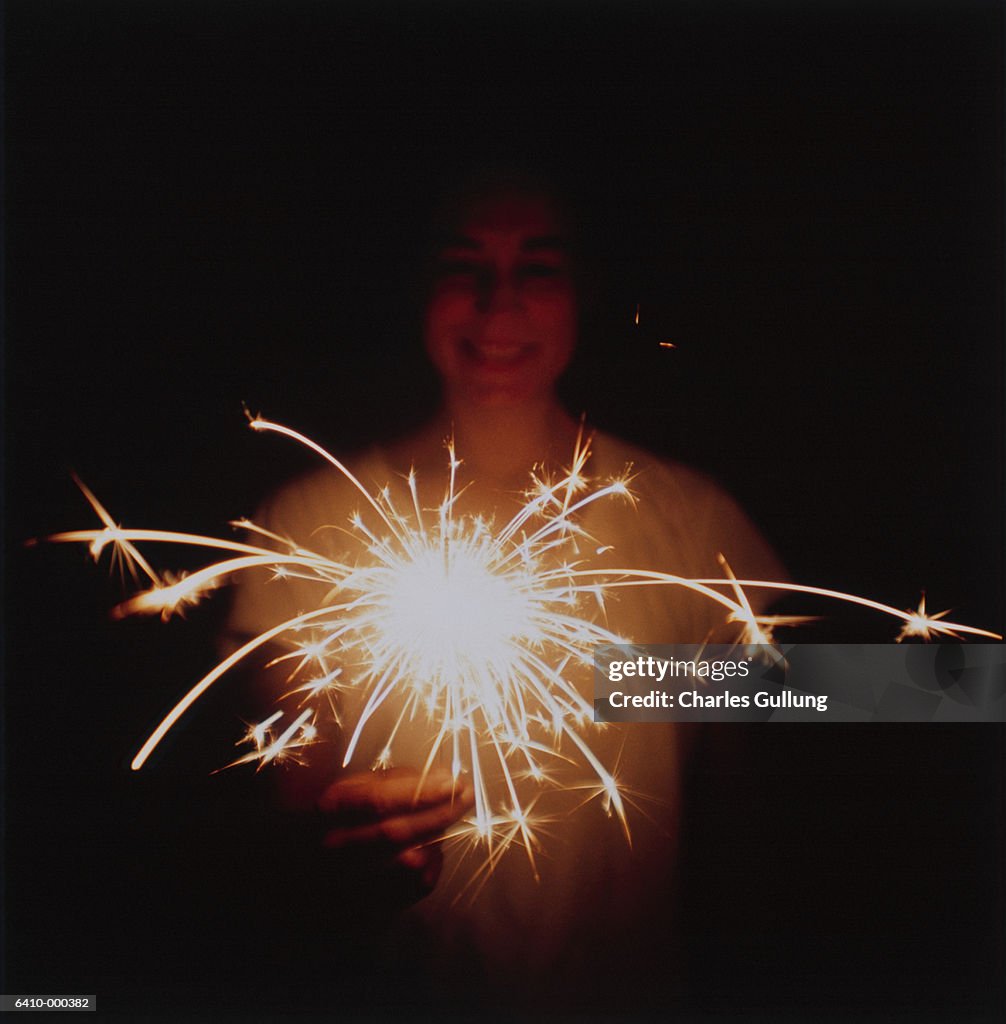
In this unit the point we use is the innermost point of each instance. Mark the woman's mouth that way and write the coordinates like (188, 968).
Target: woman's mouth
(497, 354)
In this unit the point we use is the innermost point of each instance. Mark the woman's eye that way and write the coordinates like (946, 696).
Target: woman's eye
(537, 271)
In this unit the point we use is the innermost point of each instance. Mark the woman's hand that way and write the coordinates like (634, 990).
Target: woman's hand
(394, 817)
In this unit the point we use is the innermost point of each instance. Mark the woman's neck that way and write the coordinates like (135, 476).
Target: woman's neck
(500, 445)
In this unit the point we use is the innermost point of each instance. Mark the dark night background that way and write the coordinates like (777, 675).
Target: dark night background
(215, 203)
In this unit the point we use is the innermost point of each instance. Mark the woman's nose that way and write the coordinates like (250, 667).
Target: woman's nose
(498, 295)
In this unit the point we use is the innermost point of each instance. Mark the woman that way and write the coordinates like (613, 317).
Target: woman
(501, 325)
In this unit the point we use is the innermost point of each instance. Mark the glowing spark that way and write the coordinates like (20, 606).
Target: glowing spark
(476, 629)
(284, 747)
(919, 624)
(667, 344)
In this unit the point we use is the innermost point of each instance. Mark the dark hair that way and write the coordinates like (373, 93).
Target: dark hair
(596, 248)
(485, 179)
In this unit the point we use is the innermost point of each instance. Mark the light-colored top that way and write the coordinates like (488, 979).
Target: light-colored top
(599, 903)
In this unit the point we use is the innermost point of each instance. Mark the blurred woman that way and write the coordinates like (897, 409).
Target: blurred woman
(502, 317)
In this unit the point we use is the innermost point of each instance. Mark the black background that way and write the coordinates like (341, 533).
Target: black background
(212, 204)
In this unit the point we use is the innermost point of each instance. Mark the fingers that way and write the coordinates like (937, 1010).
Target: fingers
(379, 795)
(424, 863)
(399, 831)
(393, 811)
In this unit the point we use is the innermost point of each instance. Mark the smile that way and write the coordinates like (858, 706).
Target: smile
(497, 354)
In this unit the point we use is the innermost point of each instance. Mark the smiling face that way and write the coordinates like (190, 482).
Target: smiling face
(501, 321)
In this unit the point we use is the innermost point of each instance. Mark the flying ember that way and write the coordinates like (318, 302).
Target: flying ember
(479, 630)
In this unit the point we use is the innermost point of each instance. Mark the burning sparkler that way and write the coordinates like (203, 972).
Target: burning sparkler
(448, 619)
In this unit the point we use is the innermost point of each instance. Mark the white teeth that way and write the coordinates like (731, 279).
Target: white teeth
(498, 351)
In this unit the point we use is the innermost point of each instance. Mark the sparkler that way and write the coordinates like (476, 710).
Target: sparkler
(447, 619)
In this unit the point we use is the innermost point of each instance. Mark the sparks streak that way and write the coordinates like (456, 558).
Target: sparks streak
(444, 618)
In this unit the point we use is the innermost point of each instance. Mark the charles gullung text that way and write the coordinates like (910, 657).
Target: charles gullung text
(714, 671)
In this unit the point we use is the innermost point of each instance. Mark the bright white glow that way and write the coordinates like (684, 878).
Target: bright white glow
(471, 627)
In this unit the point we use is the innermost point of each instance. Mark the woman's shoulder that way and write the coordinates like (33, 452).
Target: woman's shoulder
(687, 510)
(653, 475)
(327, 495)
